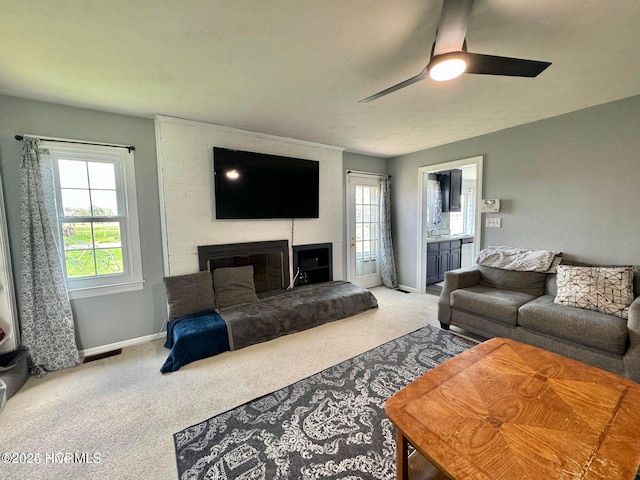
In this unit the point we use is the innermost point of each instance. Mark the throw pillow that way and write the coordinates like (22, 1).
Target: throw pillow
(234, 286)
(189, 294)
(606, 290)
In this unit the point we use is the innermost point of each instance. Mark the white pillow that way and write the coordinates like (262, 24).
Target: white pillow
(606, 290)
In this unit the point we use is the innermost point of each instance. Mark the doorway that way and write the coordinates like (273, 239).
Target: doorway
(432, 222)
(363, 220)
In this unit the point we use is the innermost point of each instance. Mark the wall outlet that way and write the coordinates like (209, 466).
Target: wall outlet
(495, 222)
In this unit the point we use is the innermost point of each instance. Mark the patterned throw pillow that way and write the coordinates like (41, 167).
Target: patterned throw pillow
(606, 290)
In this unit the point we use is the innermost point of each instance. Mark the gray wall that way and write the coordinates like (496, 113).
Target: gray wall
(358, 163)
(363, 163)
(109, 318)
(570, 183)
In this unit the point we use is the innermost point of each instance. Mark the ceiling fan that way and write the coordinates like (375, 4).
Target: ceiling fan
(450, 59)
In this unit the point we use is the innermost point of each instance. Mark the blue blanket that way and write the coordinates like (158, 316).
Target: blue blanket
(195, 337)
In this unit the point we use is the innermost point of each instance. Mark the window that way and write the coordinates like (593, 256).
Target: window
(463, 222)
(97, 216)
(456, 219)
(367, 205)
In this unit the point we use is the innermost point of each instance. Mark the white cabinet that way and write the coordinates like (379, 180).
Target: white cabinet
(8, 314)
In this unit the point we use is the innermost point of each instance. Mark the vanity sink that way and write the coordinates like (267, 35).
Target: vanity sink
(433, 238)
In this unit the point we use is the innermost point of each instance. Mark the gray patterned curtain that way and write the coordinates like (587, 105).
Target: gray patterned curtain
(46, 319)
(387, 260)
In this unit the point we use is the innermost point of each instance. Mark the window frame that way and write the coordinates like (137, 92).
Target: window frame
(131, 279)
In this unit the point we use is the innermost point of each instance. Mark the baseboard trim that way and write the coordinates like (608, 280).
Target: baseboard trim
(123, 344)
(408, 289)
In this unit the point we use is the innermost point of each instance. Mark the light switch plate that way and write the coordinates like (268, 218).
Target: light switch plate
(495, 222)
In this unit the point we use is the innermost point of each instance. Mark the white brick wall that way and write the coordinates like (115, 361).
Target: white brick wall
(185, 172)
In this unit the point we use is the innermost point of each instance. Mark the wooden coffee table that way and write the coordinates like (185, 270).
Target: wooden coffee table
(506, 410)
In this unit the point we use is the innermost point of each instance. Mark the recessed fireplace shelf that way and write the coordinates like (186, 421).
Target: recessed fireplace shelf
(315, 263)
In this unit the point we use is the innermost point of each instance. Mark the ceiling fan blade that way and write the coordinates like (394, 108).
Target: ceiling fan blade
(514, 67)
(400, 85)
(452, 27)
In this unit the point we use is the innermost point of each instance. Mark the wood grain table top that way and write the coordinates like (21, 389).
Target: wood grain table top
(507, 410)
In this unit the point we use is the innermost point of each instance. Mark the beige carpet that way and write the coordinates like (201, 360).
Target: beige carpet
(123, 412)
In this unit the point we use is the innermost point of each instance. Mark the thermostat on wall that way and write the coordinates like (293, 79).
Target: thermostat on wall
(490, 205)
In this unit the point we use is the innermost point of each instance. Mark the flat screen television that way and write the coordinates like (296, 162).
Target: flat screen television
(252, 185)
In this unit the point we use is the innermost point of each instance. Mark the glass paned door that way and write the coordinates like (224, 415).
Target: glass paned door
(364, 234)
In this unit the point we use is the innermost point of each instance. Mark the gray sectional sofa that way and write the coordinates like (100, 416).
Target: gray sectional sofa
(492, 302)
(213, 312)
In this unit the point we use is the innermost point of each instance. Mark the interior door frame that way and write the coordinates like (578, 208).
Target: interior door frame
(421, 254)
(349, 217)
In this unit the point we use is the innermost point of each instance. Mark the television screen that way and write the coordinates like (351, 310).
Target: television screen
(255, 185)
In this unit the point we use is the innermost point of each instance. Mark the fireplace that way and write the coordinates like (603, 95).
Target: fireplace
(270, 261)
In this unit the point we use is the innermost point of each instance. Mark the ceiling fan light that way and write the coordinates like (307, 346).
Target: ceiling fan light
(447, 66)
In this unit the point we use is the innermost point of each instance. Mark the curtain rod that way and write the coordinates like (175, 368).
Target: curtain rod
(128, 147)
(369, 173)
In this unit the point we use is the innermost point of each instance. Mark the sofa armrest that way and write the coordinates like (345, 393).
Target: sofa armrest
(454, 279)
(632, 357)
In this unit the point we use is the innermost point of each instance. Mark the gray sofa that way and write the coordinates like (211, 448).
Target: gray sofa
(281, 312)
(213, 312)
(492, 302)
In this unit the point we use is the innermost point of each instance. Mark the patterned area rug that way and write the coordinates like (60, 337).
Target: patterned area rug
(329, 425)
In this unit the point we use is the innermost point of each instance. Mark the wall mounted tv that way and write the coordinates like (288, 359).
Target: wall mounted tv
(255, 185)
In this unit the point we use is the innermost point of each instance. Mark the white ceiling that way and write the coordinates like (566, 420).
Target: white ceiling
(297, 68)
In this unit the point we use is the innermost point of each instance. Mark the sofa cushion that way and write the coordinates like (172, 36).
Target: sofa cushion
(234, 286)
(189, 294)
(501, 305)
(281, 312)
(584, 327)
(531, 283)
(606, 290)
(552, 284)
